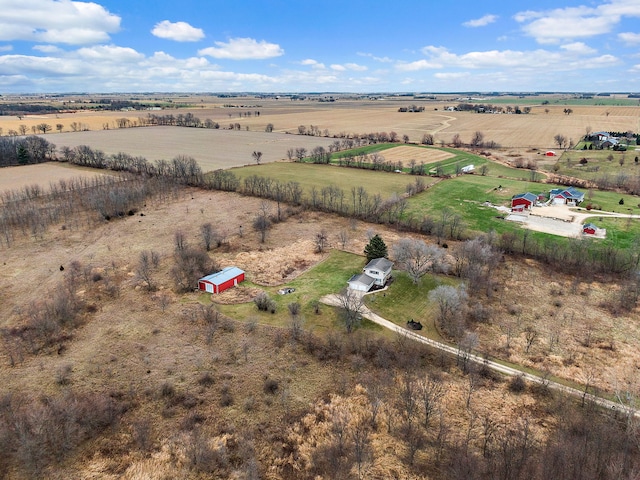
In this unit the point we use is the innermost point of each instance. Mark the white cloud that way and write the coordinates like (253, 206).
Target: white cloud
(47, 48)
(309, 62)
(417, 65)
(178, 31)
(110, 53)
(554, 26)
(578, 48)
(6, 48)
(243, 49)
(572, 56)
(629, 38)
(377, 59)
(348, 66)
(451, 75)
(52, 21)
(481, 22)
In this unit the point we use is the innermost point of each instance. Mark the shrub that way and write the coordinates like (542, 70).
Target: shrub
(271, 386)
(206, 380)
(265, 303)
(517, 384)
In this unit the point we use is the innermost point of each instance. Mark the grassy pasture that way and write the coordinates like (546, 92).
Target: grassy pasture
(313, 175)
(598, 163)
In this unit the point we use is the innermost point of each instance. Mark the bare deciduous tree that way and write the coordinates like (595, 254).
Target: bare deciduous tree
(262, 223)
(352, 307)
(417, 258)
(147, 265)
(209, 236)
(450, 302)
(321, 241)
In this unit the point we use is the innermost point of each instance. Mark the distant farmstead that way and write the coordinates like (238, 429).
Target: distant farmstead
(221, 281)
(523, 201)
(568, 196)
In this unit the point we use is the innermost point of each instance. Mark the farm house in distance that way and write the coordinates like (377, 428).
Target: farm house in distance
(568, 196)
(219, 282)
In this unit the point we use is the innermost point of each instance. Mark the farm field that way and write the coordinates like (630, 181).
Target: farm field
(349, 116)
(43, 174)
(213, 149)
(406, 153)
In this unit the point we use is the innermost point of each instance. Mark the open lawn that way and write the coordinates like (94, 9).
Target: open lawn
(404, 301)
(598, 164)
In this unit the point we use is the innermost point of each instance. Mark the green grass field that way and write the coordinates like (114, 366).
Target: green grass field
(313, 175)
(599, 163)
(465, 195)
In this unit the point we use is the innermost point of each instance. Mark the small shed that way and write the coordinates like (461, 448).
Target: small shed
(550, 153)
(219, 282)
(589, 229)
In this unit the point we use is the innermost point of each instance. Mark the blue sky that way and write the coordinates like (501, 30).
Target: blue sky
(330, 46)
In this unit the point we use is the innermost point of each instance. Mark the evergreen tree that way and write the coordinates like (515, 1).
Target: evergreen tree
(376, 248)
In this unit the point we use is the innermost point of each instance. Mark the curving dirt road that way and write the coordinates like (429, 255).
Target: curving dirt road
(333, 300)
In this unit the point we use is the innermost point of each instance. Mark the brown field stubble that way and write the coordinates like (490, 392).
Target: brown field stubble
(348, 117)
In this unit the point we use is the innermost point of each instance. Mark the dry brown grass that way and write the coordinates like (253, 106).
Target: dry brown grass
(43, 174)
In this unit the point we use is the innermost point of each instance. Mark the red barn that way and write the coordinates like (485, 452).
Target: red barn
(550, 153)
(523, 201)
(589, 229)
(219, 282)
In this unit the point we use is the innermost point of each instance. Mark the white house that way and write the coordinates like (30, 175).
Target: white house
(379, 269)
(376, 272)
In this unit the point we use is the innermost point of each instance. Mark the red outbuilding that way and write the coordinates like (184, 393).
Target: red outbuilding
(523, 201)
(219, 282)
(589, 229)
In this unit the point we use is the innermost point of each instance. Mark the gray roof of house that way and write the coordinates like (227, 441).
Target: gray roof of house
(379, 264)
(362, 278)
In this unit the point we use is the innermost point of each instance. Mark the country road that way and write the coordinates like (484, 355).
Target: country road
(333, 300)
